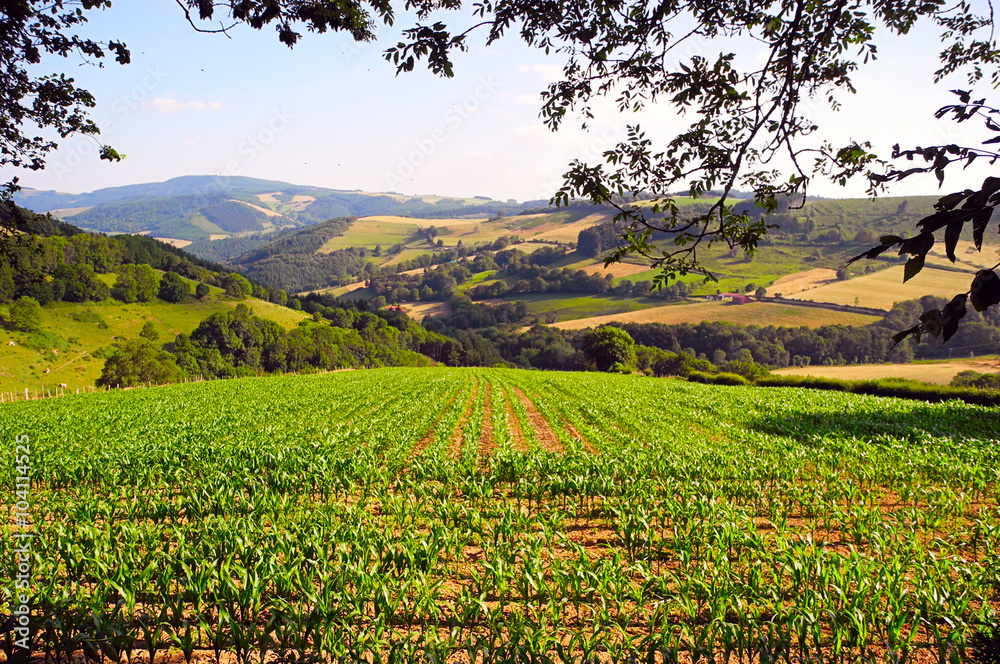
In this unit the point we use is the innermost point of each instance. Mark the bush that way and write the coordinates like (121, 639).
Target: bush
(173, 288)
(887, 387)
(85, 316)
(749, 370)
(44, 341)
(139, 362)
(815, 382)
(717, 379)
(976, 380)
(728, 379)
(25, 314)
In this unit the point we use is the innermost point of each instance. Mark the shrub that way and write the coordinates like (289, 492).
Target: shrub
(25, 314)
(85, 316)
(728, 379)
(43, 341)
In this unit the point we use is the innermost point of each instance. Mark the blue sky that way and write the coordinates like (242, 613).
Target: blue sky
(333, 113)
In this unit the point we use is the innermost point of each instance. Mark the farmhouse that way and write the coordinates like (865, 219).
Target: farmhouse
(737, 298)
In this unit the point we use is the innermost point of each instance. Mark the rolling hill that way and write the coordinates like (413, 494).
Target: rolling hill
(194, 208)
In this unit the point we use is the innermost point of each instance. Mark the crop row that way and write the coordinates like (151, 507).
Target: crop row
(501, 516)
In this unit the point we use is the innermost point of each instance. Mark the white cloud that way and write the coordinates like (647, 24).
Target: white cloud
(170, 105)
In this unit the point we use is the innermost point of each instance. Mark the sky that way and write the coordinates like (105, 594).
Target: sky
(333, 113)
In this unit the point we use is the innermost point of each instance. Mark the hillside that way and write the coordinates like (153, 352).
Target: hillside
(79, 331)
(207, 208)
(378, 503)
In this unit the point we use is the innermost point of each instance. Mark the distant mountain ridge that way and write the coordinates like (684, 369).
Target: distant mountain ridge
(200, 207)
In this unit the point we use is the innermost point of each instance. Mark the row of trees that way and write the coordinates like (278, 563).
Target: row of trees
(237, 343)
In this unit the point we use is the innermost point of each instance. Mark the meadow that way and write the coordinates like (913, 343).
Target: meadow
(77, 331)
(485, 515)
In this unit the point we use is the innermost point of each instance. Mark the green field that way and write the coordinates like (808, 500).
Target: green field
(501, 516)
(79, 333)
(570, 306)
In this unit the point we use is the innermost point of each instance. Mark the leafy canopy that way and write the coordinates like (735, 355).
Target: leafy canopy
(750, 124)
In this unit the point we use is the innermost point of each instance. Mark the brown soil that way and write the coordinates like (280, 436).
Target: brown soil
(516, 435)
(429, 436)
(544, 434)
(455, 451)
(587, 445)
(486, 442)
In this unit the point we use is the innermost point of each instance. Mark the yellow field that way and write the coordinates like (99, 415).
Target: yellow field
(440, 223)
(616, 270)
(267, 211)
(754, 313)
(420, 310)
(930, 372)
(802, 281)
(173, 242)
(966, 255)
(565, 232)
(882, 289)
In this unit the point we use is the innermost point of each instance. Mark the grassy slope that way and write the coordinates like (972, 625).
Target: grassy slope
(21, 367)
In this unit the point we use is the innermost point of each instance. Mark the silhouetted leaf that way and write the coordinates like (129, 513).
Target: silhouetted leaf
(913, 266)
(919, 244)
(954, 311)
(985, 291)
(948, 202)
(951, 235)
(902, 334)
(979, 223)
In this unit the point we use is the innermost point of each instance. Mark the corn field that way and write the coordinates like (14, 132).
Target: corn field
(488, 515)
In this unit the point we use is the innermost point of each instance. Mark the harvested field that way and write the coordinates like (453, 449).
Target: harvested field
(802, 281)
(754, 313)
(881, 290)
(929, 372)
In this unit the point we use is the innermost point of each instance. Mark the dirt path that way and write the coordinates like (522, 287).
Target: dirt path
(71, 361)
(544, 434)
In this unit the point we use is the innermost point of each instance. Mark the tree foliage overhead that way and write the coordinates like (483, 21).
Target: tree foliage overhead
(750, 126)
(747, 121)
